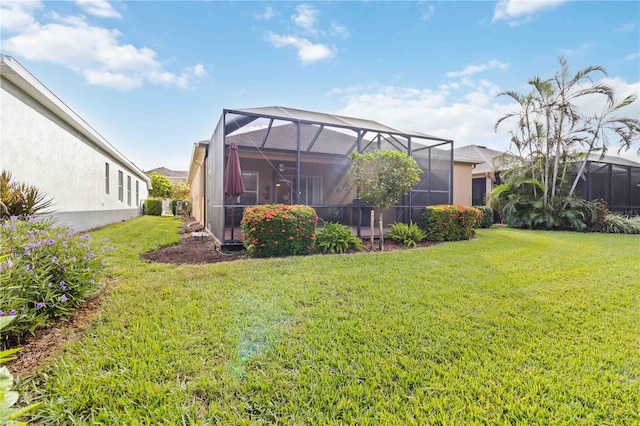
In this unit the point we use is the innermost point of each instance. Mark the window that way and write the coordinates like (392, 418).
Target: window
(106, 178)
(129, 190)
(310, 190)
(250, 196)
(137, 193)
(120, 188)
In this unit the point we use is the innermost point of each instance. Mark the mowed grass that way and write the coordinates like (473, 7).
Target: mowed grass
(514, 327)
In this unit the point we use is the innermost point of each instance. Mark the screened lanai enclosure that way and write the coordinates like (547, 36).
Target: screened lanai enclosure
(292, 156)
(613, 179)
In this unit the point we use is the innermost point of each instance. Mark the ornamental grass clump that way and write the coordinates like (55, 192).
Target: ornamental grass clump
(46, 270)
(450, 222)
(279, 230)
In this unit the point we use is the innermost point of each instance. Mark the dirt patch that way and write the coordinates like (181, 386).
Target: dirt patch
(40, 347)
(195, 246)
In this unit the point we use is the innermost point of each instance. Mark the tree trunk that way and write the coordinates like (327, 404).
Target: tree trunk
(372, 226)
(381, 232)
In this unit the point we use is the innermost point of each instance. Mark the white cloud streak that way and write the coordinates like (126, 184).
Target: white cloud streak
(474, 69)
(268, 14)
(306, 17)
(308, 52)
(100, 8)
(96, 53)
(426, 15)
(516, 12)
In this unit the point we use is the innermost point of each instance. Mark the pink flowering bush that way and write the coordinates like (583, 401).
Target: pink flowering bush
(450, 222)
(46, 270)
(279, 230)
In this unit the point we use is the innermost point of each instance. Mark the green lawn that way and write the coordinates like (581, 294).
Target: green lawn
(514, 327)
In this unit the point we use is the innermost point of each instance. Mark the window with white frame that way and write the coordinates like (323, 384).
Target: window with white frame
(137, 193)
(120, 185)
(106, 178)
(129, 190)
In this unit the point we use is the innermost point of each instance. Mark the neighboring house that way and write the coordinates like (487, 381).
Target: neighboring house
(611, 178)
(174, 176)
(614, 179)
(294, 156)
(486, 173)
(197, 181)
(46, 144)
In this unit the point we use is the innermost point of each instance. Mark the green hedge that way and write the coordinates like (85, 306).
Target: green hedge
(279, 230)
(450, 222)
(487, 217)
(153, 207)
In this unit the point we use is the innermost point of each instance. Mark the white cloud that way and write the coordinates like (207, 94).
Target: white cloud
(101, 8)
(467, 120)
(474, 69)
(199, 71)
(426, 15)
(308, 52)
(306, 17)
(15, 15)
(339, 30)
(626, 27)
(631, 57)
(580, 51)
(268, 14)
(465, 113)
(94, 52)
(520, 11)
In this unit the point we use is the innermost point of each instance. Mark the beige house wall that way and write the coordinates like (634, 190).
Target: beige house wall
(198, 196)
(462, 175)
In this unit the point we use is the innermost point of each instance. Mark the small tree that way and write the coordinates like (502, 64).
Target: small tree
(382, 177)
(181, 191)
(162, 187)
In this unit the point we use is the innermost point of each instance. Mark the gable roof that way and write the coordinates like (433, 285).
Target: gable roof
(489, 159)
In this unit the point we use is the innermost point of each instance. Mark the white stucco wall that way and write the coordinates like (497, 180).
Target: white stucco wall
(40, 148)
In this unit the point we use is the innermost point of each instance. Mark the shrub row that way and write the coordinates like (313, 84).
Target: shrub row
(279, 230)
(487, 216)
(46, 270)
(450, 223)
(153, 207)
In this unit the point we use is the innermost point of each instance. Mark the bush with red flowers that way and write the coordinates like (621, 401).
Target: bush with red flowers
(279, 230)
(450, 222)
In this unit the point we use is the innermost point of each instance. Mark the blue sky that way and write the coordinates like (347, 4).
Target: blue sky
(153, 77)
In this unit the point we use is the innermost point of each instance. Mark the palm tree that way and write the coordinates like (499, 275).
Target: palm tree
(600, 126)
(567, 90)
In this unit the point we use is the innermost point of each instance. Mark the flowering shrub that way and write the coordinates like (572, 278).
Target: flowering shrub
(279, 230)
(46, 270)
(450, 223)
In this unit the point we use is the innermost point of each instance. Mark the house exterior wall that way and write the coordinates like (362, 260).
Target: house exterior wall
(40, 148)
(462, 173)
(197, 195)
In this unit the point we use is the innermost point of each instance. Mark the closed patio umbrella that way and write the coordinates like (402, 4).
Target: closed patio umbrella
(233, 184)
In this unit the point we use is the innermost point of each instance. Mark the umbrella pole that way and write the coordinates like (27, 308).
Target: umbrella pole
(233, 219)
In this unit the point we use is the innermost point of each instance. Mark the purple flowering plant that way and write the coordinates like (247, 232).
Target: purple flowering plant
(34, 253)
